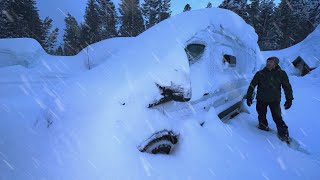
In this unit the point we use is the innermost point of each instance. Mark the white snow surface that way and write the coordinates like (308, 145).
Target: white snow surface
(308, 50)
(60, 120)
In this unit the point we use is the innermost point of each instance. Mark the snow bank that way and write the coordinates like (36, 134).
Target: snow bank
(19, 51)
(308, 50)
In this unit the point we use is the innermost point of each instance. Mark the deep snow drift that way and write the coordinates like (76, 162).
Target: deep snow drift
(90, 123)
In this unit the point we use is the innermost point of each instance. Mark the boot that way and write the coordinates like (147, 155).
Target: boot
(263, 127)
(283, 134)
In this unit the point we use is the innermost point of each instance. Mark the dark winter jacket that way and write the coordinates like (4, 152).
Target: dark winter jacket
(269, 85)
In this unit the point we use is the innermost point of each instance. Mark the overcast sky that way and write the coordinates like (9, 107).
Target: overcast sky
(57, 9)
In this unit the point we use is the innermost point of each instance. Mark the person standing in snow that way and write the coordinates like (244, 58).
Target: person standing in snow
(269, 81)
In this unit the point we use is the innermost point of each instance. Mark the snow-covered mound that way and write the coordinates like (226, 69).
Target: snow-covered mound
(308, 50)
(92, 125)
(19, 51)
(29, 53)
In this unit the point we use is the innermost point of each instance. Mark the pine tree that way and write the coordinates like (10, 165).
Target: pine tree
(71, 36)
(24, 20)
(155, 11)
(315, 15)
(288, 23)
(266, 31)
(165, 10)
(209, 5)
(132, 23)
(59, 51)
(91, 32)
(5, 18)
(50, 36)
(150, 10)
(311, 13)
(108, 18)
(253, 10)
(187, 7)
(237, 6)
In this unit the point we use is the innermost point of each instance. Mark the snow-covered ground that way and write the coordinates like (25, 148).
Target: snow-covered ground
(60, 120)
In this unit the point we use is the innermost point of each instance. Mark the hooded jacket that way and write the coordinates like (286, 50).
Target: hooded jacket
(269, 85)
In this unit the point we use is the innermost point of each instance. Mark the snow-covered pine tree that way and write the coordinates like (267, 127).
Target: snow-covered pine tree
(155, 11)
(50, 36)
(165, 10)
(289, 21)
(311, 12)
(301, 9)
(132, 23)
(5, 18)
(237, 6)
(315, 15)
(187, 7)
(150, 10)
(108, 18)
(71, 36)
(51, 41)
(253, 11)
(91, 28)
(267, 32)
(59, 51)
(24, 20)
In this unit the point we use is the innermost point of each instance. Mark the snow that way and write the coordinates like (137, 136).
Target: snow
(308, 50)
(63, 120)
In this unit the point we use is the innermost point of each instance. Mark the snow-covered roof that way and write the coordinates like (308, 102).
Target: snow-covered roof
(181, 27)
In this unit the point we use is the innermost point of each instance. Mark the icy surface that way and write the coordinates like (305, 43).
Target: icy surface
(63, 119)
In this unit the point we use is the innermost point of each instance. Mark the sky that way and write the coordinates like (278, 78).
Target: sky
(58, 9)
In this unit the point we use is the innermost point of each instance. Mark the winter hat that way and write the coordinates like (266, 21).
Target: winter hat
(275, 59)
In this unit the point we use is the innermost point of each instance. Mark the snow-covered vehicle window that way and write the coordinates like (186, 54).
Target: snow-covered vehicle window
(231, 60)
(194, 52)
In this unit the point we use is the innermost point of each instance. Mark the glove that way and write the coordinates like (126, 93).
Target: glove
(249, 101)
(287, 104)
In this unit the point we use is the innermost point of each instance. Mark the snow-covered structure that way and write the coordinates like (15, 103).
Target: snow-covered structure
(93, 124)
(300, 58)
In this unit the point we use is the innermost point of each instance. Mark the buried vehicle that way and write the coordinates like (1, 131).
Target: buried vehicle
(96, 125)
(153, 83)
(221, 65)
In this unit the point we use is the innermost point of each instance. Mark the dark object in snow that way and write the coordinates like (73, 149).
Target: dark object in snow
(301, 66)
(187, 8)
(160, 143)
(169, 93)
(209, 5)
(194, 52)
(231, 112)
(231, 60)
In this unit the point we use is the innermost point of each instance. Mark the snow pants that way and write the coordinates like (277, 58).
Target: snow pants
(276, 115)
